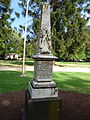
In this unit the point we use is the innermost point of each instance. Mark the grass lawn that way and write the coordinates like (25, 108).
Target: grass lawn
(73, 81)
(11, 81)
(73, 64)
(69, 81)
(31, 63)
(15, 63)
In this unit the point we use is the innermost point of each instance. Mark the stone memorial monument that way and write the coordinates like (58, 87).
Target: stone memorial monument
(41, 98)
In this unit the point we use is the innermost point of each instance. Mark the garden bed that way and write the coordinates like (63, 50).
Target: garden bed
(75, 106)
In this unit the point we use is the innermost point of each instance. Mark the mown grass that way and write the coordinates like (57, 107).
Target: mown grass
(11, 81)
(68, 81)
(73, 81)
(31, 63)
(73, 64)
(15, 62)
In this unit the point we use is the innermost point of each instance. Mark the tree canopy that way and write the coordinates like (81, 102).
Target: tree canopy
(5, 12)
(69, 30)
(68, 25)
(10, 39)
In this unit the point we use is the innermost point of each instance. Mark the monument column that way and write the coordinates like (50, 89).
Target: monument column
(42, 85)
(42, 101)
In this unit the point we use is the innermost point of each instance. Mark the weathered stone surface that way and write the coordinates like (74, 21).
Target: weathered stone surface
(41, 109)
(45, 35)
(44, 57)
(41, 100)
(50, 84)
(43, 92)
(43, 70)
(42, 85)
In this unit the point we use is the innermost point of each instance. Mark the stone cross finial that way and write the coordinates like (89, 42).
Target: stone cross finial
(45, 35)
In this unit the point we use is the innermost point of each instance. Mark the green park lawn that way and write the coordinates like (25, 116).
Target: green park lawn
(68, 81)
(14, 63)
(31, 63)
(73, 64)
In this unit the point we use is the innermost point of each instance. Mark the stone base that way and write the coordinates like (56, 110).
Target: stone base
(43, 92)
(50, 84)
(23, 114)
(41, 109)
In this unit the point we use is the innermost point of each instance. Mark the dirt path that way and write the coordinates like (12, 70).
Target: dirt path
(55, 69)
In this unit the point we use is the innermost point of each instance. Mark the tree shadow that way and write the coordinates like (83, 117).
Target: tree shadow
(16, 62)
(11, 81)
(66, 82)
(31, 63)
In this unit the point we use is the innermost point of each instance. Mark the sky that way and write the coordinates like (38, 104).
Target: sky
(16, 8)
(21, 20)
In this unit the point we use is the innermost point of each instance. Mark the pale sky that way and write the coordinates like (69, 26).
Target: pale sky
(16, 8)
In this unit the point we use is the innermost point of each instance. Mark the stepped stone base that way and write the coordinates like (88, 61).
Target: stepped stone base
(42, 92)
(50, 84)
(41, 109)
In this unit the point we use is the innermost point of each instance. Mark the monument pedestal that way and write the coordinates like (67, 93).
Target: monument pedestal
(41, 99)
(41, 109)
(42, 85)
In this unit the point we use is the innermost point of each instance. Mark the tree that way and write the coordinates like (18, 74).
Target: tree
(67, 22)
(87, 48)
(15, 42)
(5, 32)
(11, 42)
(5, 21)
(68, 29)
(5, 12)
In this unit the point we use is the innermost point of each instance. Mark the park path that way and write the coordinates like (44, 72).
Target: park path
(55, 69)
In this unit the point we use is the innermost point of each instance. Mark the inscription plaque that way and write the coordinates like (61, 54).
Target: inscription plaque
(43, 70)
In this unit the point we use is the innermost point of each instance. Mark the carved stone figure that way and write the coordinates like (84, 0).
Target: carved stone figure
(45, 37)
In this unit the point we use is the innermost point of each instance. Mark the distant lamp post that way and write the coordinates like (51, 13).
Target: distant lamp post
(25, 38)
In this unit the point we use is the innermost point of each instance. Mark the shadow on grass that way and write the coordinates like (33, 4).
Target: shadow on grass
(11, 81)
(72, 82)
(6, 65)
(31, 63)
(69, 81)
(17, 62)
